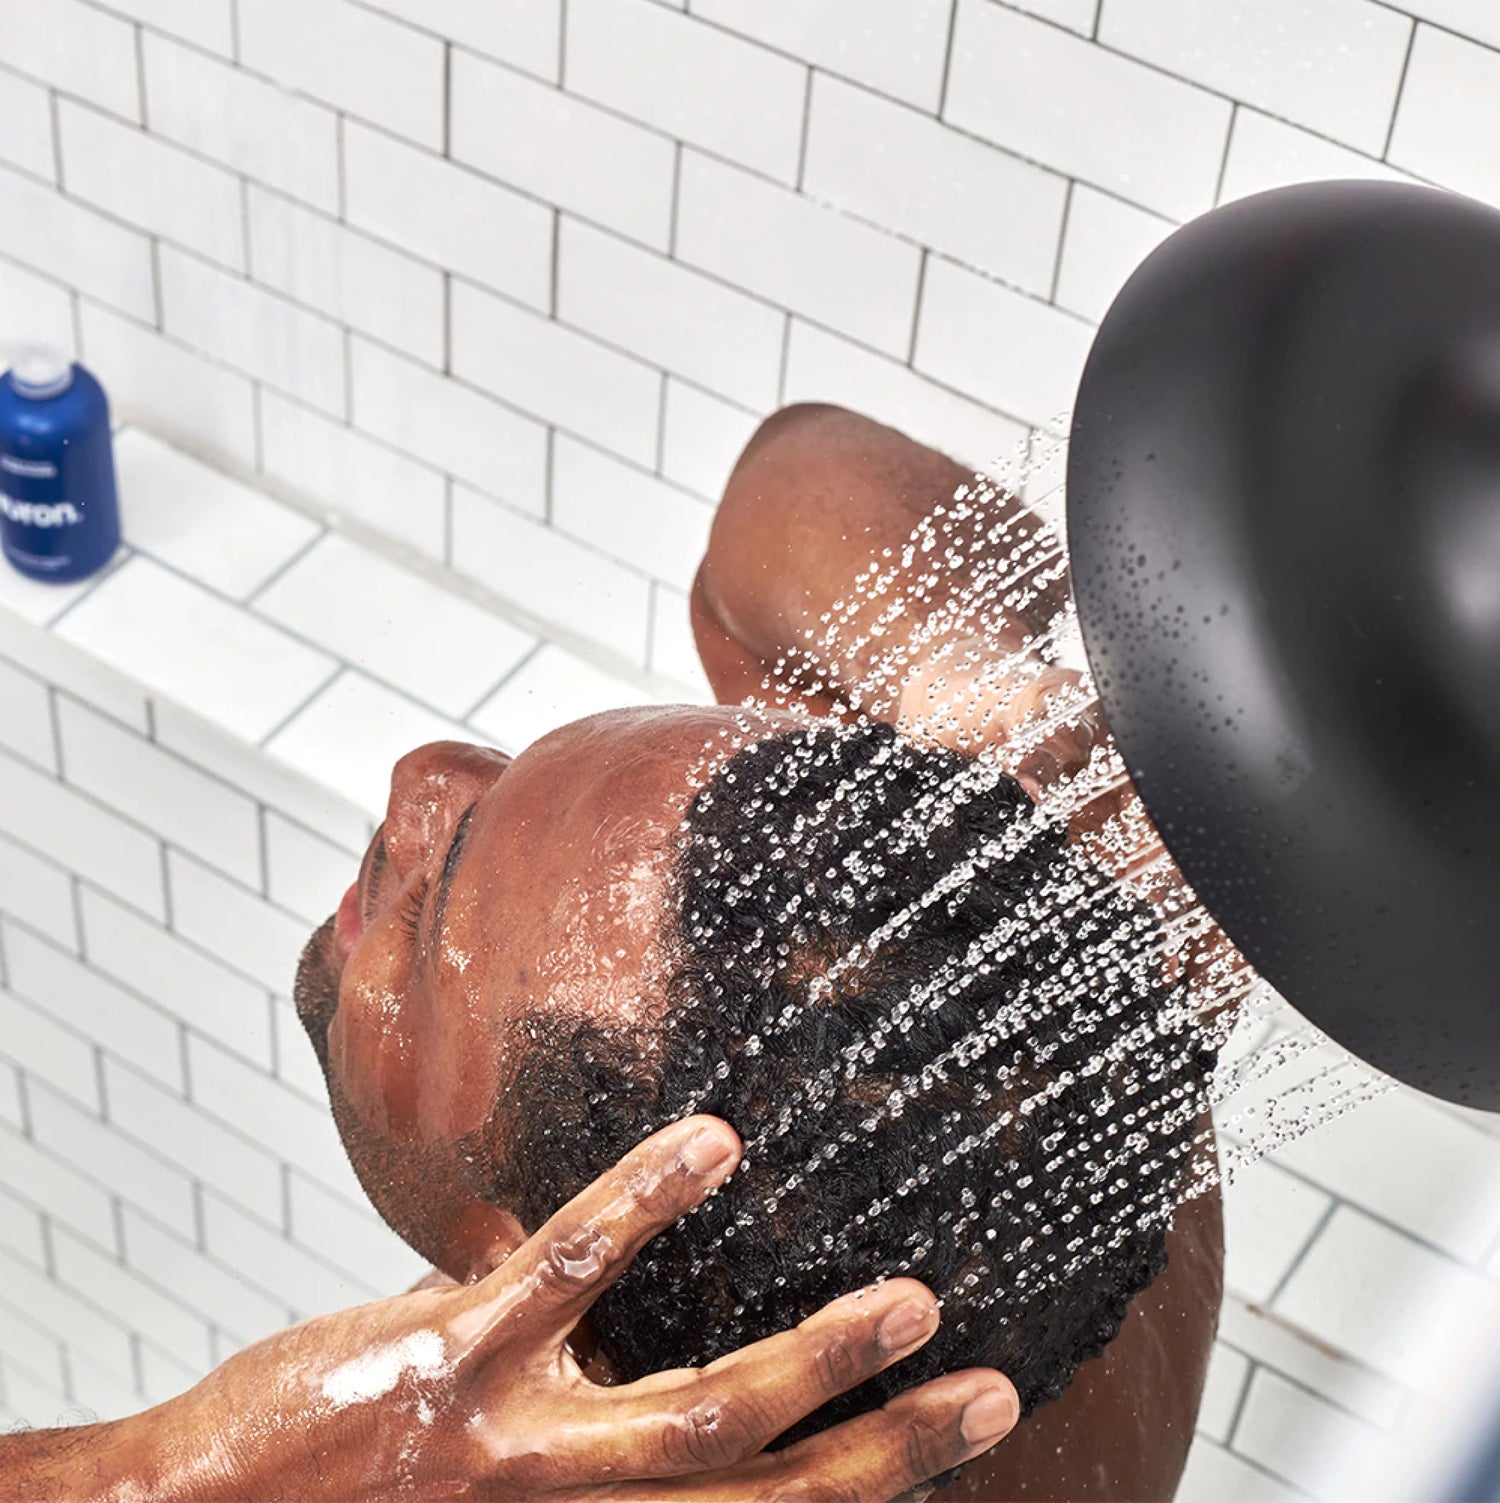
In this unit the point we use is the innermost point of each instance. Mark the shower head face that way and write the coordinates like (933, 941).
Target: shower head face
(1284, 523)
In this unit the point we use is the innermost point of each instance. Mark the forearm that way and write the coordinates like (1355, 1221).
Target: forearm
(121, 1461)
(821, 496)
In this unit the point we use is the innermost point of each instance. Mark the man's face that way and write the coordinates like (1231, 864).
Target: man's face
(496, 889)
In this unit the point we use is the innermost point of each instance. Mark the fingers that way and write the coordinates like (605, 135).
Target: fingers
(679, 1422)
(555, 1276)
(872, 1459)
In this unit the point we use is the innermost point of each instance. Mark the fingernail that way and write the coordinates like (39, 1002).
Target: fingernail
(909, 1324)
(988, 1417)
(708, 1149)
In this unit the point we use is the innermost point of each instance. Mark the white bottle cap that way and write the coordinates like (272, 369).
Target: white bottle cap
(40, 372)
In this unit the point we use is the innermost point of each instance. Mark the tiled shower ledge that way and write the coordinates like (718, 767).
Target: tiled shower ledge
(321, 651)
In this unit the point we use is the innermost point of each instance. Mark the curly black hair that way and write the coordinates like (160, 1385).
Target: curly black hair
(901, 988)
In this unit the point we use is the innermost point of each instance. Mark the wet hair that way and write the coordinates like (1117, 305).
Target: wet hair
(803, 851)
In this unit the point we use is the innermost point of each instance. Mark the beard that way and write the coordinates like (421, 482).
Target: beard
(418, 1194)
(315, 992)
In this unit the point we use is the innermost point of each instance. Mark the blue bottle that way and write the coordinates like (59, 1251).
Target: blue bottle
(59, 510)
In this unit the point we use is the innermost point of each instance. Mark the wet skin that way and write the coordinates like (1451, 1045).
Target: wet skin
(818, 493)
(494, 891)
(498, 889)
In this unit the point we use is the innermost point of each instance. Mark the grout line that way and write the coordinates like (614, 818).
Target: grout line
(137, 1358)
(150, 707)
(245, 227)
(1339, 1199)
(54, 716)
(447, 100)
(122, 558)
(661, 424)
(286, 720)
(1284, 1482)
(80, 935)
(264, 842)
(916, 307)
(947, 59)
(562, 43)
(166, 889)
(274, 1035)
(1251, 1364)
(652, 606)
(140, 76)
(184, 1061)
(807, 94)
(549, 477)
(257, 428)
(75, 311)
(1411, 43)
(502, 681)
(1322, 1222)
(117, 1216)
(341, 197)
(1293, 1380)
(786, 355)
(23, 1094)
(55, 114)
(156, 295)
(1234, 118)
(49, 1259)
(1098, 20)
(675, 209)
(448, 509)
(1062, 239)
(552, 274)
(234, 29)
(447, 328)
(100, 1086)
(346, 343)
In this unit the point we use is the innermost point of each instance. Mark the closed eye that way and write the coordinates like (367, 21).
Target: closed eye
(409, 915)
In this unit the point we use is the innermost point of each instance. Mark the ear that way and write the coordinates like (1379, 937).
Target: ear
(480, 1240)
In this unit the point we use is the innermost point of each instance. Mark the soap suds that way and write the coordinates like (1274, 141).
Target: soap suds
(375, 1374)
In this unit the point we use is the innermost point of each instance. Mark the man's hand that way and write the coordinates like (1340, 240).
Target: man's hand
(471, 1390)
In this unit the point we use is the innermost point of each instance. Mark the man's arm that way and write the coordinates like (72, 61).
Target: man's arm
(472, 1390)
(818, 496)
(96, 1462)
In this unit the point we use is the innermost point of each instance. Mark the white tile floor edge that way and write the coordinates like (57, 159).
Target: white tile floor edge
(193, 750)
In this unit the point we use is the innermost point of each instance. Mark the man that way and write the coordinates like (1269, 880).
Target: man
(649, 913)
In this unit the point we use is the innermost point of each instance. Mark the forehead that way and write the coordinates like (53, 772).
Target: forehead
(565, 884)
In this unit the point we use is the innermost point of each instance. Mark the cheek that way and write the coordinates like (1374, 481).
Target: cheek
(372, 1048)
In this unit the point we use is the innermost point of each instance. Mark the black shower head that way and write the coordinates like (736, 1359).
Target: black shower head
(1284, 522)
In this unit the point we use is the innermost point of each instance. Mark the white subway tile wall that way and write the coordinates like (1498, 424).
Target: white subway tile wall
(463, 229)
(26, 121)
(518, 311)
(142, 940)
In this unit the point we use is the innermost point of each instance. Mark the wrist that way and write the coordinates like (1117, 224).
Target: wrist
(112, 1462)
(184, 1451)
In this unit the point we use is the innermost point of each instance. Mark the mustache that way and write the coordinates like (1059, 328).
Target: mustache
(315, 991)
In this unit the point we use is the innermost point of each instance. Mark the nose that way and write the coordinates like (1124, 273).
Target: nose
(430, 790)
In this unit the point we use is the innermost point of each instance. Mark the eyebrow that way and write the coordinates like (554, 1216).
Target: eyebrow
(450, 866)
